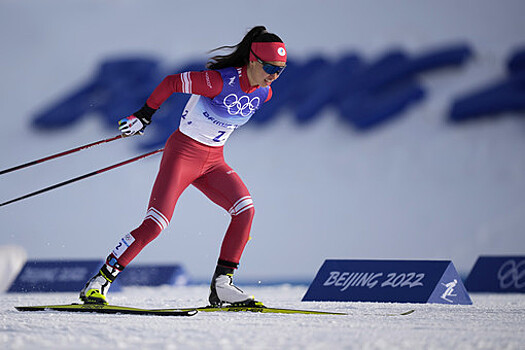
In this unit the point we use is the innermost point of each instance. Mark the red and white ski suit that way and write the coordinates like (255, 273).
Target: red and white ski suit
(193, 155)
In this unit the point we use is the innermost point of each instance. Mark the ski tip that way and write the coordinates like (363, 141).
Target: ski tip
(407, 312)
(403, 313)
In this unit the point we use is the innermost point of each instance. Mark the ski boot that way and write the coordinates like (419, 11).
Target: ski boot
(95, 290)
(223, 291)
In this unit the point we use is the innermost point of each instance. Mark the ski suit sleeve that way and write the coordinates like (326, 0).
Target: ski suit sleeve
(206, 83)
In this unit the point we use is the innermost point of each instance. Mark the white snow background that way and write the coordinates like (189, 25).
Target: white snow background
(492, 322)
(417, 188)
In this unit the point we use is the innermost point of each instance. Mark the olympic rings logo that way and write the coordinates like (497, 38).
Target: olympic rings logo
(243, 106)
(512, 274)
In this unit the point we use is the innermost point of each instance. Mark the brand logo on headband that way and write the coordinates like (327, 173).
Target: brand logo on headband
(281, 51)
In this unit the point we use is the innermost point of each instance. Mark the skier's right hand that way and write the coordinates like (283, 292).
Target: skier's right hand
(131, 125)
(137, 122)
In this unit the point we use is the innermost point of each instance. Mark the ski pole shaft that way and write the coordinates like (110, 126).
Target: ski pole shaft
(57, 155)
(82, 177)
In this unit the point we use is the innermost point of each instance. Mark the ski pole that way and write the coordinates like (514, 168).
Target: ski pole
(57, 155)
(82, 177)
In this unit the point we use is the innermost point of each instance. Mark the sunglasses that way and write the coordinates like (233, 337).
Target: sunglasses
(268, 67)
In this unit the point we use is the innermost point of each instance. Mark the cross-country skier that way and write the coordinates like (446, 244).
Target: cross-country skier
(224, 97)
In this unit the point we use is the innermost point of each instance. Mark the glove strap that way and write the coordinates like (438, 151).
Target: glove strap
(145, 114)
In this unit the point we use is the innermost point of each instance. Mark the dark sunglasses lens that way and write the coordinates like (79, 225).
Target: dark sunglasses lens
(271, 69)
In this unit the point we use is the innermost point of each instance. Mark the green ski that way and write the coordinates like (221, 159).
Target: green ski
(125, 310)
(108, 309)
(261, 309)
(264, 309)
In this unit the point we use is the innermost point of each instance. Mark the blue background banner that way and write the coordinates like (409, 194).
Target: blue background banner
(56, 276)
(153, 275)
(500, 274)
(414, 281)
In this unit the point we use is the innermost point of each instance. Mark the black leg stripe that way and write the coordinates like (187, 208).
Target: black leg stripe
(226, 263)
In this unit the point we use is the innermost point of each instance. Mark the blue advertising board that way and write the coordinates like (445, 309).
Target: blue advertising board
(497, 274)
(56, 276)
(405, 281)
(153, 275)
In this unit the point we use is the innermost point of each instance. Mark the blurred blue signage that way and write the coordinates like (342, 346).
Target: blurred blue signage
(153, 275)
(497, 274)
(56, 276)
(505, 95)
(366, 94)
(404, 281)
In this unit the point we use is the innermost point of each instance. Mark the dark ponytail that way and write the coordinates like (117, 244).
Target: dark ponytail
(241, 52)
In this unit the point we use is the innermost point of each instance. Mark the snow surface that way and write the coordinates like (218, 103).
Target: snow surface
(492, 322)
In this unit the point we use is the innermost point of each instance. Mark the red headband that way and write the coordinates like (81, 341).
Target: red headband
(268, 51)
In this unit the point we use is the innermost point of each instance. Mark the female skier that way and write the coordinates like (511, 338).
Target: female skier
(224, 97)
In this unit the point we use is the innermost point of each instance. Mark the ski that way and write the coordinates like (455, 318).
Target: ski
(125, 310)
(405, 313)
(261, 309)
(264, 309)
(109, 309)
